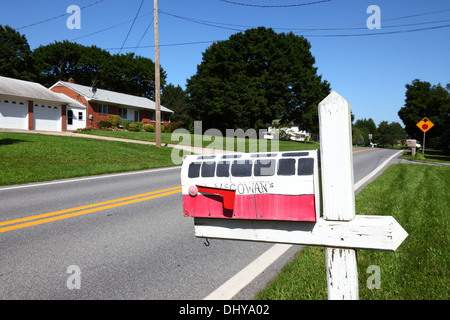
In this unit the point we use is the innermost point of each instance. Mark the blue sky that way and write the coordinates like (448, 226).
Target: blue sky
(368, 67)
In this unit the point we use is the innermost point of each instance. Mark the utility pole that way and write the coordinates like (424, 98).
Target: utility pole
(157, 79)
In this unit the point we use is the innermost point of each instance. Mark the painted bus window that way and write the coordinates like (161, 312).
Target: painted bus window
(264, 168)
(241, 168)
(286, 167)
(223, 169)
(305, 166)
(194, 170)
(208, 169)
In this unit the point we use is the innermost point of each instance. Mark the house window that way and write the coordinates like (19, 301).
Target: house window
(122, 112)
(80, 115)
(136, 116)
(152, 117)
(102, 108)
(69, 117)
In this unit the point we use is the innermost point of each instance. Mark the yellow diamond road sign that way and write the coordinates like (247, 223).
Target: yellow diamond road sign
(425, 124)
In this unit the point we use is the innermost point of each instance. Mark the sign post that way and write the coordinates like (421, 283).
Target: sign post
(274, 197)
(337, 189)
(425, 124)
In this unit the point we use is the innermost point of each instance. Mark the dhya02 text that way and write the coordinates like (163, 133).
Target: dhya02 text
(226, 309)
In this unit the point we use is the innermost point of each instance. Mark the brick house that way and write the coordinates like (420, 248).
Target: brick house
(100, 103)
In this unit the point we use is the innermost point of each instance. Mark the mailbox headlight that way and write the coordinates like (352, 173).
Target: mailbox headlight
(193, 191)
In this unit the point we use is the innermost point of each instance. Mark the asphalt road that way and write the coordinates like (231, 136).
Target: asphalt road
(127, 236)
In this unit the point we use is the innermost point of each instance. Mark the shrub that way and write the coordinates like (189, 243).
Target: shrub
(114, 119)
(149, 128)
(134, 127)
(126, 123)
(104, 124)
(172, 126)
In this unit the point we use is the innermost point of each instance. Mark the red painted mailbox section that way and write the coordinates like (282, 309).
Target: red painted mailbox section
(261, 186)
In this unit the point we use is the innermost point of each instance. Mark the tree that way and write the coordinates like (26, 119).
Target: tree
(358, 137)
(390, 133)
(93, 66)
(365, 127)
(64, 60)
(131, 74)
(176, 99)
(256, 77)
(15, 55)
(424, 100)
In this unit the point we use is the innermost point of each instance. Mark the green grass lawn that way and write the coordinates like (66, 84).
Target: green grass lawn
(26, 157)
(208, 141)
(418, 197)
(429, 156)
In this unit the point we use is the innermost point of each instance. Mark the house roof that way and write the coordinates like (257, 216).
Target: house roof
(112, 97)
(33, 91)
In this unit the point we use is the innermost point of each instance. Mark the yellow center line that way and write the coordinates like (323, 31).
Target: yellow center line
(364, 150)
(58, 215)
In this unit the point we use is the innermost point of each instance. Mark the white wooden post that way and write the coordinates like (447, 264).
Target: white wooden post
(337, 191)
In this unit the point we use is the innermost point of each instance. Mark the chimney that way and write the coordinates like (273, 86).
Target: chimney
(71, 80)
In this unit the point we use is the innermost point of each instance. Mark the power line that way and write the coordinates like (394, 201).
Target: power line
(109, 28)
(275, 6)
(375, 33)
(308, 35)
(237, 27)
(145, 32)
(203, 22)
(168, 45)
(134, 20)
(57, 17)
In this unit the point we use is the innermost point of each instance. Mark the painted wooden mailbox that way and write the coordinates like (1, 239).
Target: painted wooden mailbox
(274, 197)
(261, 186)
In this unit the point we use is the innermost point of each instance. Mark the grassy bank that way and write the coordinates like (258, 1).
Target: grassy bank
(417, 196)
(26, 157)
(430, 156)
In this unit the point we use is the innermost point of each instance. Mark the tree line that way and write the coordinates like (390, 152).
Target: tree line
(365, 131)
(87, 65)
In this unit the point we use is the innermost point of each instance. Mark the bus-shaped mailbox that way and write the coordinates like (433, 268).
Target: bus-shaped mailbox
(261, 186)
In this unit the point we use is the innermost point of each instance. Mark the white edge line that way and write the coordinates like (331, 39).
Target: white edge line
(87, 178)
(374, 172)
(231, 287)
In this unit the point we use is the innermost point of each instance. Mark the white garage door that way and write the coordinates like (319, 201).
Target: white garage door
(13, 114)
(47, 117)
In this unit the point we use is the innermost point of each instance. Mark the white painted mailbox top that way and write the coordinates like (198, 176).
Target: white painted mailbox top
(263, 186)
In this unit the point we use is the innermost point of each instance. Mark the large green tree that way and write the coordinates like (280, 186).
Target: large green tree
(364, 127)
(256, 77)
(390, 133)
(64, 60)
(15, 55)
(176, 99)
(425, 100)
(93, 66)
